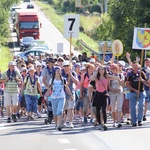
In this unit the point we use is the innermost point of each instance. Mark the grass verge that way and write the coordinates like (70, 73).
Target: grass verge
(5, 57)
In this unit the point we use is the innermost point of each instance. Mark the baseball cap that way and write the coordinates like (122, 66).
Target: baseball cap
(83, 63)
(121, 62)
(23, 68)
(31, 69)
(38, 64)
(82, 68)
(51, 60)
(12, 63)
(92, 60)
(65, 63)
(74, 61)
(77, 65)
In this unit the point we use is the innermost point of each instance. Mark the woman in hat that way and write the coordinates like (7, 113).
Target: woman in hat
(32, 88)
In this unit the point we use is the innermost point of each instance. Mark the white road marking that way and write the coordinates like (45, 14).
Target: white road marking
(3, 128)
(63, 141)
(70, 149)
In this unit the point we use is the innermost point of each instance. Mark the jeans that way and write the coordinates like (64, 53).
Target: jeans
(58, 106)
(133, 101)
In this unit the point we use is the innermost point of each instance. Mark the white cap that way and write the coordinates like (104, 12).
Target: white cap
(23, 68)
(12, 63)
(74, 61)
(38, 64)
(31, 68)
(121, 62)
(82, 68)
(65, 63)
(92, 60)
(83, 63)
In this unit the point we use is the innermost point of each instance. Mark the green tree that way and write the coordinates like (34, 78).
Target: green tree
(122, 17)
(4, 16)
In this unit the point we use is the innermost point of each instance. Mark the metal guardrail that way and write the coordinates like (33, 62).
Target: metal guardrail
(87, 47)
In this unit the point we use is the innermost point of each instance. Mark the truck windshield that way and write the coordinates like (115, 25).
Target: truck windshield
(29, 25)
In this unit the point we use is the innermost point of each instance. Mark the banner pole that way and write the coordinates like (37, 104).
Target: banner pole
(142, 55)
(104, 53)
(70, 47)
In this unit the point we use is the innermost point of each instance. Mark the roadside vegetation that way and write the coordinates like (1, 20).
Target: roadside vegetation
(88, 22)
(117, 23)
(5, 55)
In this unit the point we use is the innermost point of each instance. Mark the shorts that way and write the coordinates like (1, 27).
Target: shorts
(10, 99)
(69, 104)
(31, 103)
(79, 104)
(86, 103)
(147, 98)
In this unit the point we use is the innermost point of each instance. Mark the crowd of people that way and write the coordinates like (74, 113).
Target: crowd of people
(76, 87)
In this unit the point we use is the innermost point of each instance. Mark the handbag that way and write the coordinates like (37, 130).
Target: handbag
(105, 92)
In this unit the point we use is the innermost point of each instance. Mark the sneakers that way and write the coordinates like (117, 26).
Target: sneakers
(128, 121)
(144, 118)
(134, 124)
(59, 128)
(139, 123)
(119, 125)
(99, 127)
(65, 125)
(114, 125)
(39, 115)
(18, 115)
(71, 125)
(104, 127)
(91, 120)
(14, 118)
(30, 118)
(56, 126)
(8, 120)
(85, 120)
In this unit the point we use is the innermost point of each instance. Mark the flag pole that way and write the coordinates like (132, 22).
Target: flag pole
(142, 55)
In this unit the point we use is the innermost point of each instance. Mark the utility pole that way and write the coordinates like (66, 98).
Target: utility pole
(106, 6)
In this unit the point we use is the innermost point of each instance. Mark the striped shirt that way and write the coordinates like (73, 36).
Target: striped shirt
(11, 86)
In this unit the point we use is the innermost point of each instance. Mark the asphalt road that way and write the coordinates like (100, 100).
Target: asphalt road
(35, 135)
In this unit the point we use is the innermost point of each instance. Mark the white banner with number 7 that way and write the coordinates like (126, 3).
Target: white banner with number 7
(71, 26)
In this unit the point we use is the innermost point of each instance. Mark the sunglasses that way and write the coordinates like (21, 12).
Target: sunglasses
(24, 71)
(38, 66)
(66, 66)
(101, 69)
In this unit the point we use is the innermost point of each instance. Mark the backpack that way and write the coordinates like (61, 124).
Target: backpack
(63, 81)
(36, 78)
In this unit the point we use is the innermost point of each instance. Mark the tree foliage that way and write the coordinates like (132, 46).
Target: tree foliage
(4, 16)
(122, 17)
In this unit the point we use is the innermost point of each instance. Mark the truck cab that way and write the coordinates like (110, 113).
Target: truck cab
(27, 23)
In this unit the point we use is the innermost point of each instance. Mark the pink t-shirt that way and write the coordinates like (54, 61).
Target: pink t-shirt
(85, 81)
(101, 87)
